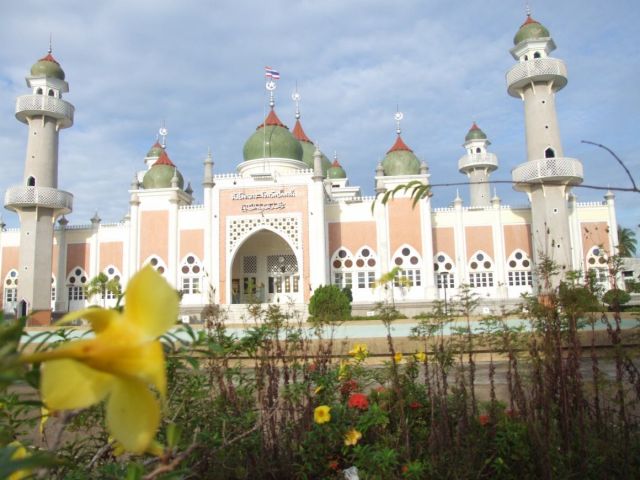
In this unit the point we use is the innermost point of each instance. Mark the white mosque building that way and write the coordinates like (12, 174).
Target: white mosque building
(287, 220)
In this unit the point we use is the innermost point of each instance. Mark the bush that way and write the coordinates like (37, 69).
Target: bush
(329, 304)
(615, 298)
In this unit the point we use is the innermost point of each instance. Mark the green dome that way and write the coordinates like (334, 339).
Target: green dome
(272, 140)
(307, 157)
(161, 173)
(155, 151)
(530, 29)
(475, 133)
(400, 160)
(336, 171)
(47, 67)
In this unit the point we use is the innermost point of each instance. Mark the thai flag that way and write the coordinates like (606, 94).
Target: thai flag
(271, 73)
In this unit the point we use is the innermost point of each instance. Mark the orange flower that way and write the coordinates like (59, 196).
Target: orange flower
(484, 420)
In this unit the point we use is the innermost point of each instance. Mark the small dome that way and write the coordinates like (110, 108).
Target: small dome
(475, 133)
(161, 173)
(156, 150)
(400, 160)
(47, 67)
(308, 149)
(272, 139)
(336, 171)
(530, 29)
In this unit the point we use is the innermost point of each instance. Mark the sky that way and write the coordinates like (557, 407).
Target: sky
(198, 66)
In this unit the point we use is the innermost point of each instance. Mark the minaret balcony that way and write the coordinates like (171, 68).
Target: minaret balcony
(560, 171)
(20, 197)
(35, 105)
(485, 160)
(536, 70)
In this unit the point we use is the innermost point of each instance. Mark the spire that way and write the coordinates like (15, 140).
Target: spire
(164, 160)
(399, 144)
(295, 96)
(162, 132)
(317, 164)
(208, 170)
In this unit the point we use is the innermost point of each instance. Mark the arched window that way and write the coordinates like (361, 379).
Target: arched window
(51, 94)
(526, 57)
(536, 55)
(445, 270)
(342, 266)
(365, 268)
(409, 260)
(157, 263)
(31, 182)
(519, 269)
(114, 287)
(481, 270)
(191, 275)
(478, 150)
(549, 153)
(76, 283)
(598, 266)
(11, 289)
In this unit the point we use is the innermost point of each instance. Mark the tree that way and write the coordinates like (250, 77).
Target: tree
(329, 304)
(615, 298)
(101, 285)
(626, 242)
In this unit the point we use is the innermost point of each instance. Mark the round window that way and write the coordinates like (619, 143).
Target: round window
(398, 261)
(342, 254)
(512, 264)
(518, 255)
(348, 263)
(441, 258)
(487, 264)
(436, 267)
(414, 260)
(474, 265)
(525, 263)
(448, 266)
(480, 257)
(365, 252)
(337, 264)
(360, 262)
(406, 251)
(371, 262)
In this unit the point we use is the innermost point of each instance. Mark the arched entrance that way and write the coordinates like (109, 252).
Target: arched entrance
(265, 269)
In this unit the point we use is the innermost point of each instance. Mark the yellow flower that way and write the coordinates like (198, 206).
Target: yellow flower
(121, 362)
(352, 437)
(420, 356)
(18, 454)
(397, 357)
(321, 414)
(359, 351)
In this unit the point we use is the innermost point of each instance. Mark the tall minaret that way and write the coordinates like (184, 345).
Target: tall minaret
(477, 164)
(38, 201)
(547, 175)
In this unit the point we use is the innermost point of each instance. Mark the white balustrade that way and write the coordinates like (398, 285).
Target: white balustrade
(538, 69)
(47, 197)
(480, 160)
(28, 105)
(552, 170)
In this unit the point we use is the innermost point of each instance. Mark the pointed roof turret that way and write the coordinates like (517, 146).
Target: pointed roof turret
(272, 139)
(47, 66)
(336, 170)
(475, 133)
(400, 159)
(163, 174)
(530, 29)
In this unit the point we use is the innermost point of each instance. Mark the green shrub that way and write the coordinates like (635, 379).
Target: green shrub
(329, 304)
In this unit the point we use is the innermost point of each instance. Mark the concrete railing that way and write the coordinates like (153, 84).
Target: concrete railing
(30, 105)
(536, 70)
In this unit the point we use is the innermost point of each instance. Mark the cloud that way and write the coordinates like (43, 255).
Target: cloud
(198, 67)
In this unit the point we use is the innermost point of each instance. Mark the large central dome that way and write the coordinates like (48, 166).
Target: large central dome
(272, 139)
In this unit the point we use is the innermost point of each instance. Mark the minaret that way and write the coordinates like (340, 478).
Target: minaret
(38, 201)
(547, 175)
(477, 164)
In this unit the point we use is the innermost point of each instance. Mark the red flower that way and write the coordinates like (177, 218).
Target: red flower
(348, 387)
(484, 420)
(415, 405)
(334, 465)
(359, 401)
(405, 468)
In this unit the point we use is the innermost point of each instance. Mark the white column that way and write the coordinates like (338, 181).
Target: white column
(94, 246)
(381, 216)
(428, 273)
(62, 304)
(499, 249)
(317, 235)
(173, 243)
(134, 229)
(460, 242)
(214, 242)
(575, 234)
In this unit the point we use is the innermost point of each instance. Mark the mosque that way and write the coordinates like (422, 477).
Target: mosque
(288, 220)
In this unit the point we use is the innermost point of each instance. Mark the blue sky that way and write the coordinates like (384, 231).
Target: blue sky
(198, 66)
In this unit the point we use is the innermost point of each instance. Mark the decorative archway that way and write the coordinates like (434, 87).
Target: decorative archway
(264, 267)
